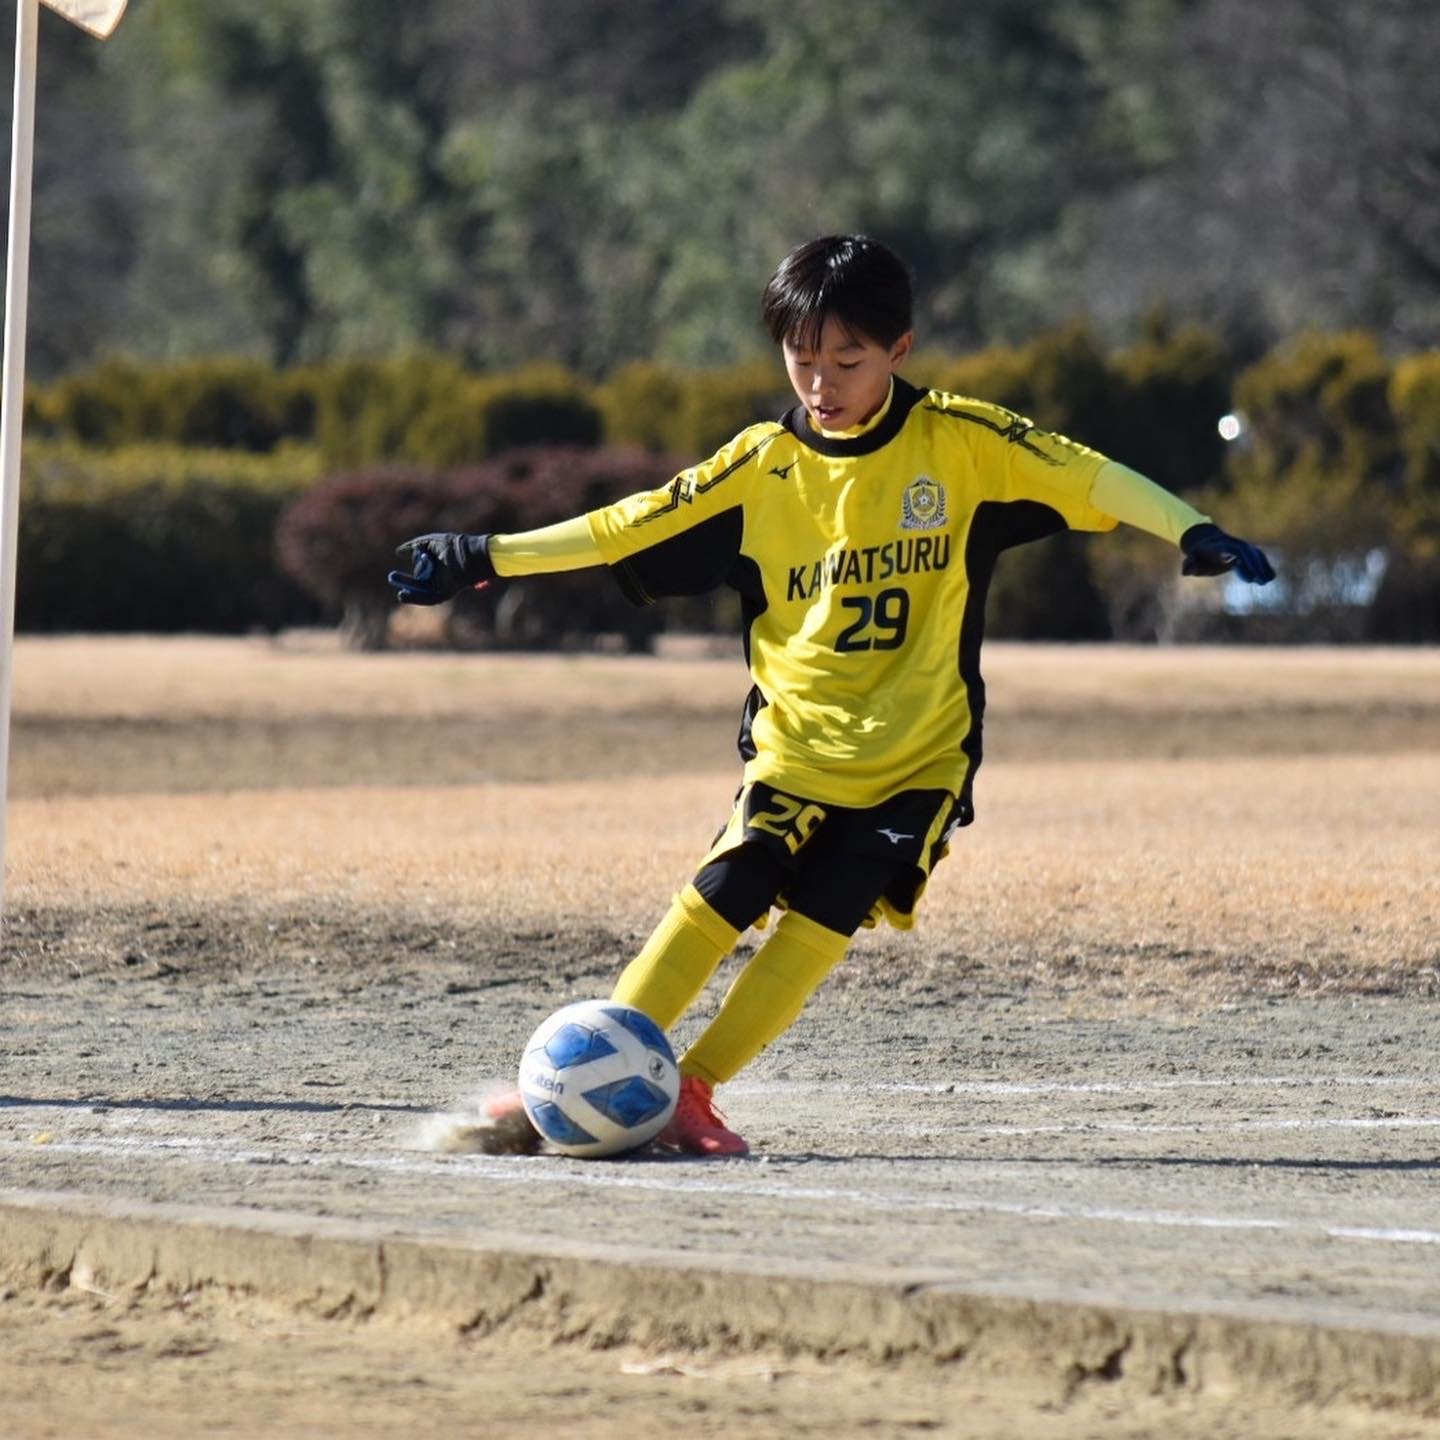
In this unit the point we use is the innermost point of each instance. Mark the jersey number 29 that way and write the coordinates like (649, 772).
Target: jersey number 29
(879, 624)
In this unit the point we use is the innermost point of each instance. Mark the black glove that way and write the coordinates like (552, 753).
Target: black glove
(442, 565)
(1210, 551)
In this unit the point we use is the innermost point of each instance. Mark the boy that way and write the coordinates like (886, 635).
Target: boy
(860, 530)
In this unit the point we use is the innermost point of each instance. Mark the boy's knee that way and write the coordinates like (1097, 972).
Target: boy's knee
(741, 885)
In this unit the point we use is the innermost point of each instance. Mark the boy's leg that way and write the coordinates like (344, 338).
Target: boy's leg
(766, 998)
(842, 876)
(701, 927)
(770, 992)
(828, 902)
(676, 961)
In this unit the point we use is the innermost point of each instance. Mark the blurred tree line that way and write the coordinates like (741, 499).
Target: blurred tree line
(590, 184)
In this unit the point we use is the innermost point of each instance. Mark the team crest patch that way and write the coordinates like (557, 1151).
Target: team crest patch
(924, 505)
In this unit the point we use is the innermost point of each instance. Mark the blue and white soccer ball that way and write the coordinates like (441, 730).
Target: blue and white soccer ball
(599, 1078)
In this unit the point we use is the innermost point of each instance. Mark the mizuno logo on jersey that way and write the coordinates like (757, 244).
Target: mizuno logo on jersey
(894, 836)
(870, 563)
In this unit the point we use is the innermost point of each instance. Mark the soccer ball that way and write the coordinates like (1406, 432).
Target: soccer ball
(599, 1078)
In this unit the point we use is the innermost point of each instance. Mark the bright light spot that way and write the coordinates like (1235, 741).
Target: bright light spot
(1231, 427)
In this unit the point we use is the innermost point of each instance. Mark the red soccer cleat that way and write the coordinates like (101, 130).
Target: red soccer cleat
(697, 1128)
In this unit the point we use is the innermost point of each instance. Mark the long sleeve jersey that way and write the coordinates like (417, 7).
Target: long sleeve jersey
(862, 561)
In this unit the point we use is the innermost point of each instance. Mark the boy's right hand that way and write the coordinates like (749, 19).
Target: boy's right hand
(441, 565)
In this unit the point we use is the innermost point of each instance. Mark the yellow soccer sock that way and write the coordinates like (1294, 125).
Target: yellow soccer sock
(765, 999)
(676, 961)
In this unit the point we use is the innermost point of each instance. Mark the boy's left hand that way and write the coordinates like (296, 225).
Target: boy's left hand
(1210, 551)
(441, 565)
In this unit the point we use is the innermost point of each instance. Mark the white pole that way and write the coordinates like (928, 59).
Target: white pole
(12, 397)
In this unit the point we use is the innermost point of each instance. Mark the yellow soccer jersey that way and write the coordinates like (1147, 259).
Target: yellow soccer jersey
(862, 563)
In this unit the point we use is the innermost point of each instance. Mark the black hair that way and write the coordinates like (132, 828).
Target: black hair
(859, 281)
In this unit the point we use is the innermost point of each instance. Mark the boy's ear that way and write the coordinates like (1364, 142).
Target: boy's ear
(900, 350)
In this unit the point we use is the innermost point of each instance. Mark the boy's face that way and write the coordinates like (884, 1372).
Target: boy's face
(844, 379)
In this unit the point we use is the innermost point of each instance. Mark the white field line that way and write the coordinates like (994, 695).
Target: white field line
(938, 1087)
(1080, 1087)
(1180, 1127)
(552, 1171)
(132, 1119)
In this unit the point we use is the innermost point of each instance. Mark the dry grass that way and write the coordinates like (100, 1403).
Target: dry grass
(307, 674)
(184, 714)
(1321, 862)
(1121, 876)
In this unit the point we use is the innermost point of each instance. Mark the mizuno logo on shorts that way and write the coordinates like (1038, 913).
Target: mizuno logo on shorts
(894, 836)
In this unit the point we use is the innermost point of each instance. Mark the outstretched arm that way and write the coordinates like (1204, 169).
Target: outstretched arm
(690, 504)
(1134, 500)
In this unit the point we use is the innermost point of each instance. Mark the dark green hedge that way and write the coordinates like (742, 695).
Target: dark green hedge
(423, 408)
(156, 539)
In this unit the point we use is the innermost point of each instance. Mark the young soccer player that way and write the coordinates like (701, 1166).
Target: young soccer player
(860, 530)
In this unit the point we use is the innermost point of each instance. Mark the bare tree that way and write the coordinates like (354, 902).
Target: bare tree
(1305, 185)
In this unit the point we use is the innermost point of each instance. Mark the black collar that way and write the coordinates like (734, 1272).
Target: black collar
(905, 398)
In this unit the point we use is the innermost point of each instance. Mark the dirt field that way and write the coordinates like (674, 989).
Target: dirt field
(1165, 1036)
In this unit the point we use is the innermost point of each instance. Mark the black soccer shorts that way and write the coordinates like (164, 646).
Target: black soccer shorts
(838, 865)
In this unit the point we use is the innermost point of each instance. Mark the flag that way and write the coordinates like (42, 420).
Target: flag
(99, 17)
